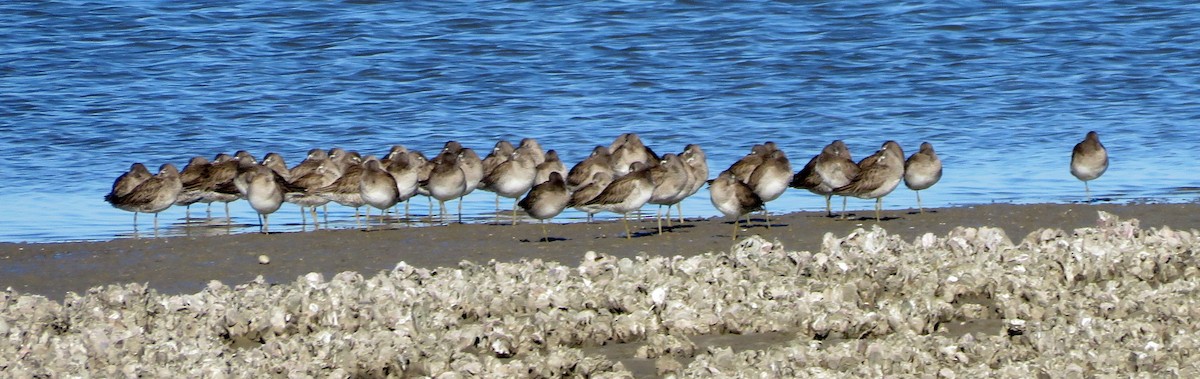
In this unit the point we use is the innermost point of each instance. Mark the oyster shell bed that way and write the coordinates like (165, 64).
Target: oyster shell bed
(1113, 299)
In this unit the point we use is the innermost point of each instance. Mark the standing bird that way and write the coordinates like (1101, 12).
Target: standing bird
(626, 194)
(195, 169)
(500, 154)
(627, 149)
(830, 169)
(471, 166)
(378, 189)
(878, 175)
(125, 184)
(275, 162)
(588, 191)
(771, 178)
(319, 176)
(670, 179)
(550, 165)
(446, 181)
(512, 178)
(583, 172)
(152, 195)
(922, 170)
(733, 198)
(344, 190)
(1089, 160)
(406, 171)
(217, 182)
(546, 200)
(696, 162)
(310, 163)
(264, 189)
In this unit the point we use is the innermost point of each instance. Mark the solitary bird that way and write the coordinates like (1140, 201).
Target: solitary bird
(830, 169)
(546, 200)
(626, 194)
(878, 175)
(152, 195)
(733, 198)
(1089, 160)
(922, 170)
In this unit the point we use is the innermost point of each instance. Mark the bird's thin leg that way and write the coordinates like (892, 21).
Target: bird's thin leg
(625, 219)
(658, 217)
(878, 207)
(920, 208)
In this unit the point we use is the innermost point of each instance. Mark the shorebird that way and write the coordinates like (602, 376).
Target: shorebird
(344, 190)
(1089, 160)
(696, 162)
(546, 200)
(626, 194)
(264, 189)
(922, 170)
(512, 179)
(275, 162)
(320, 176)
(378, 189)
(551, 164)
(152, 195)
(830, 169)
(446, 181)
(471, 166)
(771, 177)
(195, 169)
(125, 184)
(733, 198)
(500, 154)
(588, 191)
(670, 179)
(406, 171)
(744, 167)
(532, 148)
(216, 184)
(129, 180)
(878, 175)
(310, 163)
(585, 170)
(627, 149)
(395, 151)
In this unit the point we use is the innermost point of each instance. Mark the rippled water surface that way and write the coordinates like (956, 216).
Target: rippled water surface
(1002, 90)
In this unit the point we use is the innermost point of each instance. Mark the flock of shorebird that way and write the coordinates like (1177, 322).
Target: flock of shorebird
(621, 178)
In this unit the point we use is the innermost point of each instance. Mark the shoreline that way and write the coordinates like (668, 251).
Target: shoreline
(179, 265)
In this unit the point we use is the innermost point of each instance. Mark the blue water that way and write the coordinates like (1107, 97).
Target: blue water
(1003, 90)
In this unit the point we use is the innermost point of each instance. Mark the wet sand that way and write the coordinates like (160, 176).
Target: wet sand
(186, 264)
